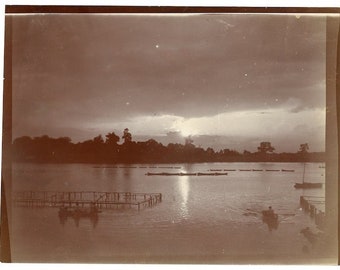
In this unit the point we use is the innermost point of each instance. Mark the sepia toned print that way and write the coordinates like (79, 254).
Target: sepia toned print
(171, 138)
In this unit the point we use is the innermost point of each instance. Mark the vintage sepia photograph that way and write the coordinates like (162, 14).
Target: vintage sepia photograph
(165, 136)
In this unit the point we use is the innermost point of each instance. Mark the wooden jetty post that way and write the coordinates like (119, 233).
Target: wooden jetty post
(309, 205)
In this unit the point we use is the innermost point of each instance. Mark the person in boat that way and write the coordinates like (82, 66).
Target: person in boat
(270, 218)
(270, 211)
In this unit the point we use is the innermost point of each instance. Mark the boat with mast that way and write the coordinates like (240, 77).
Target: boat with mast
(307, 184)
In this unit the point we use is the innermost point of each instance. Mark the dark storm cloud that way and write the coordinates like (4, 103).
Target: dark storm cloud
(76, 70)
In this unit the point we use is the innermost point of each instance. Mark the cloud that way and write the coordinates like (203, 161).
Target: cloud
(154, 74)
(270, 123)
(275, 124)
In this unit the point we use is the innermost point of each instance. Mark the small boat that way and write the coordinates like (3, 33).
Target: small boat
(211, 174)
(204, 174)
(270, 218)
(185, 174)
(161, 173)
(269, 215)
(307, 184)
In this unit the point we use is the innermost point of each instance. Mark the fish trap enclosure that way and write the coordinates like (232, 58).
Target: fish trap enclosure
(84, 199)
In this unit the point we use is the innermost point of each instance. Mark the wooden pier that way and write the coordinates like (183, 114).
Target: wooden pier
(312, 205)
(82, 199)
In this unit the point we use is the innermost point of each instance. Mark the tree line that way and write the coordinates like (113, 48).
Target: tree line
(45, 149)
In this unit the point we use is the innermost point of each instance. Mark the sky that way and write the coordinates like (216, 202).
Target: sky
(229, 80)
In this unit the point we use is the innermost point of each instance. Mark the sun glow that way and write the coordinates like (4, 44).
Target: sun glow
(187, 131)
(185, 127)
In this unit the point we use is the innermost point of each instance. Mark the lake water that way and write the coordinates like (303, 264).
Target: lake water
(201, 219)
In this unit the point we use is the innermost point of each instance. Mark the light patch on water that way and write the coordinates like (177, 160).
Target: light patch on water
(184, 188)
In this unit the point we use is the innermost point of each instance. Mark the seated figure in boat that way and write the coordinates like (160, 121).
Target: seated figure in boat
(269, 213)
(270, 218)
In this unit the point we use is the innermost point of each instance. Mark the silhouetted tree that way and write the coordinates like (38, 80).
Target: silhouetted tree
(304, 148)
(62, 149)
(111, 139)
(189, 150)
(175, 152)
(265, 147)
(262, 155)
(151, 151)
(98, 140)
(92, 150)
(22, 141)
(127, 136)
(47, 149)
(23, 148)
(111, 147)
(303, 152)
(43, 148)
(227, 155)
(246, 153)
(63, 140)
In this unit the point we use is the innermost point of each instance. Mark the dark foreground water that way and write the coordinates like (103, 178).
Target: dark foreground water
(202, 219)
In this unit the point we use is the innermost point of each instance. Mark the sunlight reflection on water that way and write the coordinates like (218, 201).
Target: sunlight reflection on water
(184, 188)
